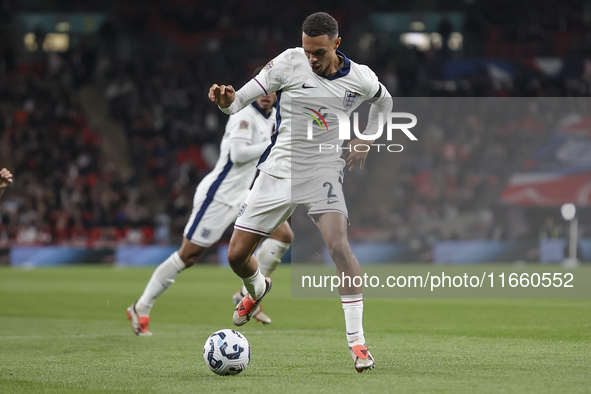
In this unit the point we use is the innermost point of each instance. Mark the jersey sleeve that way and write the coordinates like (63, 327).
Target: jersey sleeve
(371, 83)
(274, 75)
(240, 127)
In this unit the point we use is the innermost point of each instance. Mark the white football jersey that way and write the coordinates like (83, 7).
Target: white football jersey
(304, 101)
(229, 182)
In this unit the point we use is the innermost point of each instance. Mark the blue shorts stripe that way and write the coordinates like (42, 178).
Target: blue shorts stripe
(199, 216)
(210, 194)
(274, 136)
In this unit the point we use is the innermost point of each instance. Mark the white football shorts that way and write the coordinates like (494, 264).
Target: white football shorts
(209, 219)
(272, 200)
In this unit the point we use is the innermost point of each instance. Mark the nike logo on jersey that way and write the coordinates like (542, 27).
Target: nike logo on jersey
(331, 202)
(308, 87)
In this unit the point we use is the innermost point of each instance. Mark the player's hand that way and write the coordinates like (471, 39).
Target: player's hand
(5, 178)
(355, 158)
(222, 95)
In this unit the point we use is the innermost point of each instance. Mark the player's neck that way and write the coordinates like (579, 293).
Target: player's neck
(337, 63)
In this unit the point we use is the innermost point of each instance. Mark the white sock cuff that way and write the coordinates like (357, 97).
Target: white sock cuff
(177, 261)
(255, 285)
(352, 299)
(251, 278)
(279, 244)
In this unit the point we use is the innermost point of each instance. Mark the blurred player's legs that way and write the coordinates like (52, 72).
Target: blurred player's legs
(205, 227)
(207, 223)
(162, 278)
(333, 227)
(268, 256)
(272, 249)
(166, 273)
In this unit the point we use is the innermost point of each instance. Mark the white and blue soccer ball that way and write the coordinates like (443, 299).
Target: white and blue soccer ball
(226, 352)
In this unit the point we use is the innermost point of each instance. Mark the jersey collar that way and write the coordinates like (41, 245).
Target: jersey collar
(341, 72)
(261, 111)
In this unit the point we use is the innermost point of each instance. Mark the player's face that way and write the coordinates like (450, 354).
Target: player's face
(267, 102)
(321, 51)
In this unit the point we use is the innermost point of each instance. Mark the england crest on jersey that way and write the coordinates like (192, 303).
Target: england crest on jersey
(350, 99)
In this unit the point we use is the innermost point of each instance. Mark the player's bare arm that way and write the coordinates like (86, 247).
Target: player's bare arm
(5, 180)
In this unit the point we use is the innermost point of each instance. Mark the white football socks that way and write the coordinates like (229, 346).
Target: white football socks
(161, 280)
(269, 255)
(255, 285)
(353, 308)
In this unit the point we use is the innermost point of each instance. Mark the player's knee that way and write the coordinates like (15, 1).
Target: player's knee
(285, 235)
(339, 249)
(190, 257)
(237, 257)
(290, 236)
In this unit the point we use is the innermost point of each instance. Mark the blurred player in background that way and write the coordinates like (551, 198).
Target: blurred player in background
(5, 180)
(318, 70)
(216, 205)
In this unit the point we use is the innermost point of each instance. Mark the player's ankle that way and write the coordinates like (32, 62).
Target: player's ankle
(142, 309)
(356, 342)
(255, 284)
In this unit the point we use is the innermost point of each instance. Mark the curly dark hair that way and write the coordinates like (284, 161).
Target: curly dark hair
(319, 24)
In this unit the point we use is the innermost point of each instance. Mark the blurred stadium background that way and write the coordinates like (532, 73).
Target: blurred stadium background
(105, 123)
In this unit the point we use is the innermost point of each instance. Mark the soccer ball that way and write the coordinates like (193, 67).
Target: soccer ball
(226, 352)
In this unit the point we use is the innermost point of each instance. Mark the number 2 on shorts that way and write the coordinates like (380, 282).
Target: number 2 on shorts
(329, 189)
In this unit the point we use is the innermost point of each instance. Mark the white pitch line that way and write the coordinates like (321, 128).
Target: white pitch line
(290, 331)
(162, 334)
(59, 336)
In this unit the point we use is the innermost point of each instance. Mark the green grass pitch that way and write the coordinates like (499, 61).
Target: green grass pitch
(65, 330)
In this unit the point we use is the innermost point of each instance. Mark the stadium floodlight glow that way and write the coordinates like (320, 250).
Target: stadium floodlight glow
(568, 211)
(62, 27)
(417, 26)
(419, 40)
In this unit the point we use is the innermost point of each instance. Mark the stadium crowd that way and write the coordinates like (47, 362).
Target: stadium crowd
(65, 193)
(155, 64)
(467, 150)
